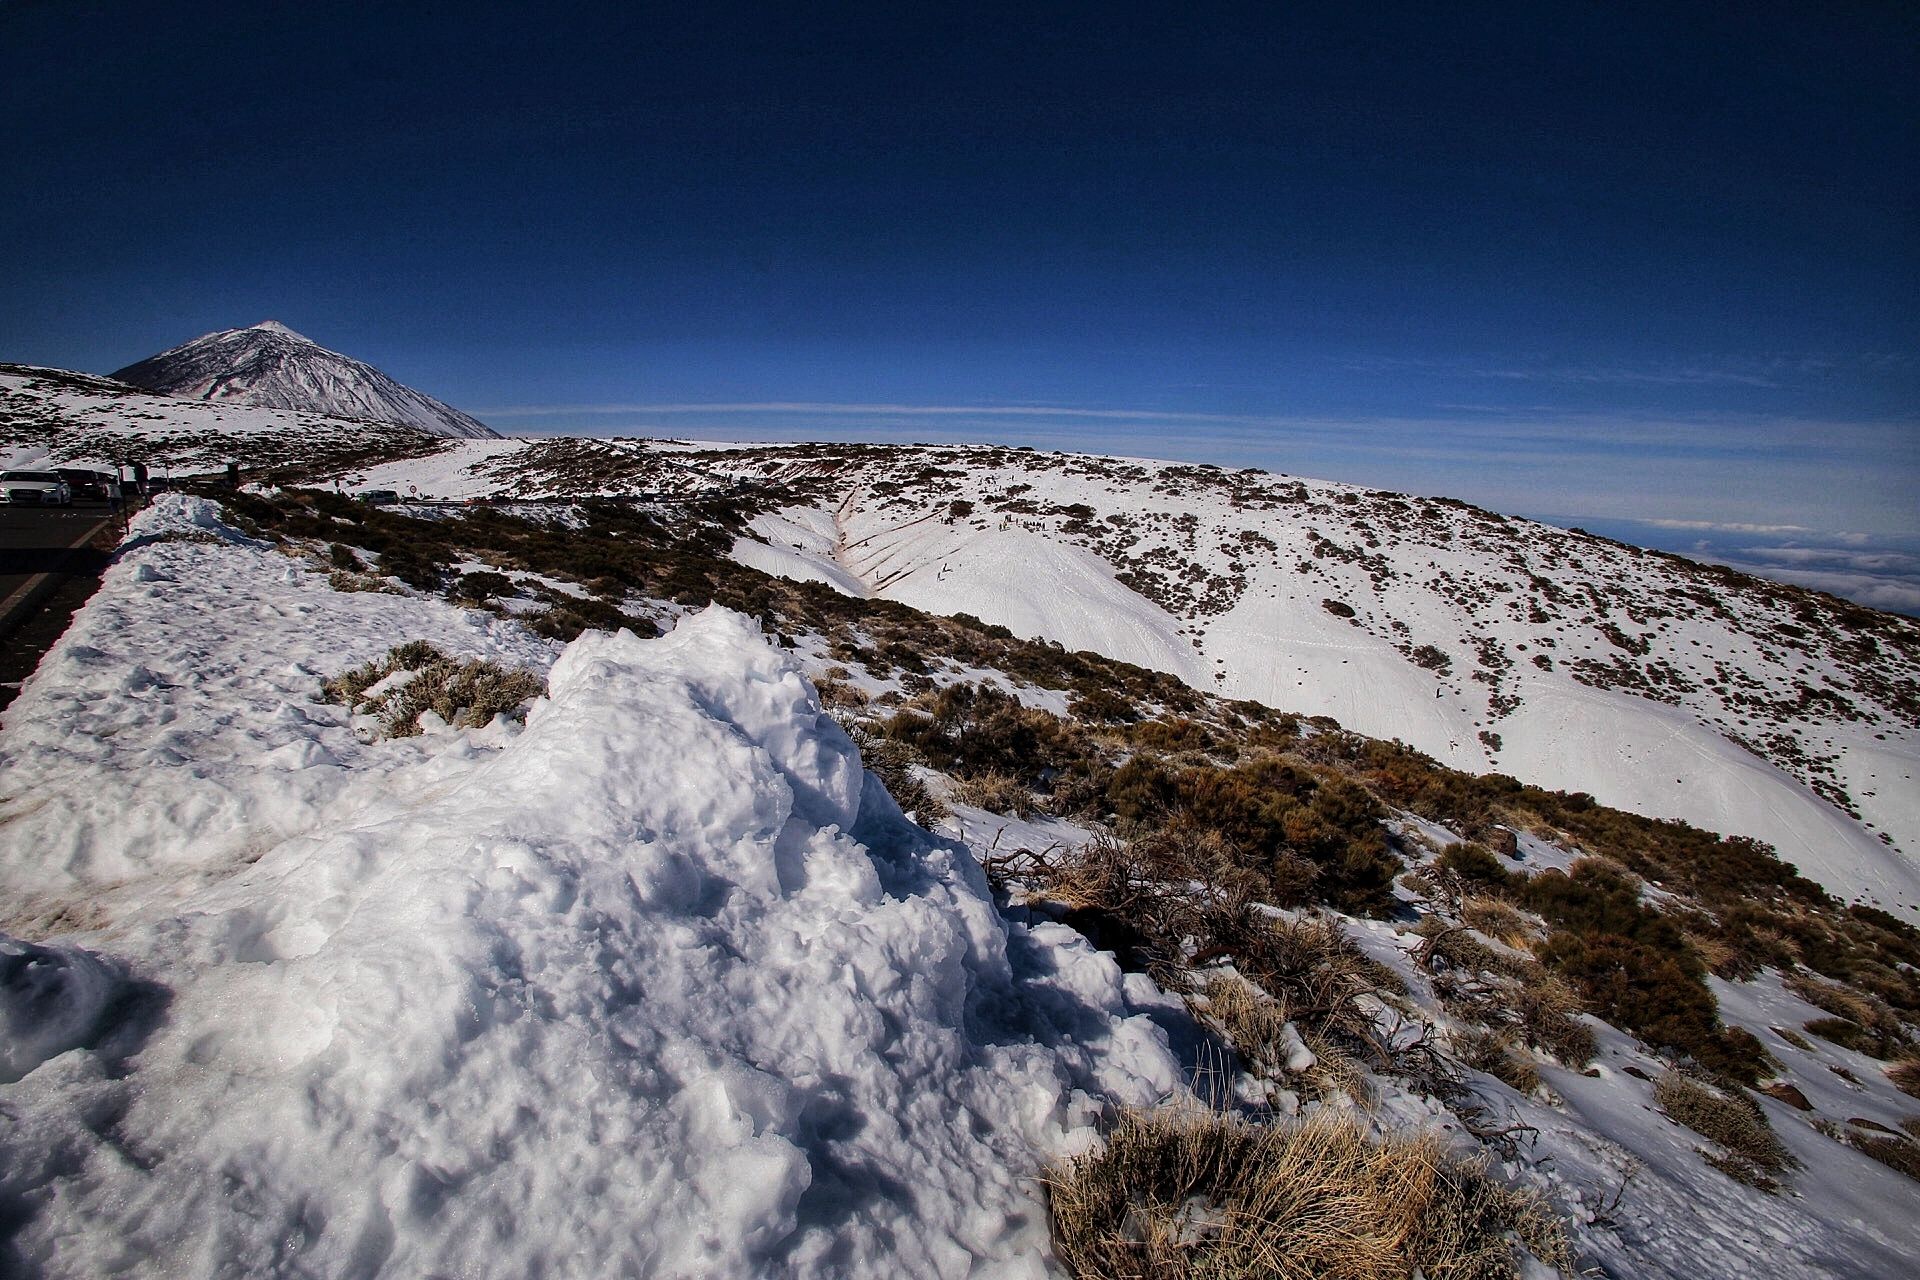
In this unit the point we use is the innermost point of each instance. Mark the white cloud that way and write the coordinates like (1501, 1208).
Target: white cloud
(1900, 595)
(1723, 526)
(1890, 562)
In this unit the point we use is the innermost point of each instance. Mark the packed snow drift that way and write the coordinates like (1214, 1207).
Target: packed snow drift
(660, 983)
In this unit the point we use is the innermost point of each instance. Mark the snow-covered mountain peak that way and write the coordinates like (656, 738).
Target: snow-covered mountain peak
(269, 365)
(274, 326)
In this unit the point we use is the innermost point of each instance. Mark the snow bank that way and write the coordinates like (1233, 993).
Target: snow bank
(51, 999)
(663, 985)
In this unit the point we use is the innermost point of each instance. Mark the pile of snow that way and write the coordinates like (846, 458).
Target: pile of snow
(662, 983)
(51, 999)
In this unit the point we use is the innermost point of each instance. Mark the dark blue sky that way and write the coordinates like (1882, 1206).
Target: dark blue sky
(1640, 261)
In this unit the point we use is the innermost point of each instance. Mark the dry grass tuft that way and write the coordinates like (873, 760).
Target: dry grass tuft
(1905, 1075)
(997, 793)
(467, 693)
(1860, 1021)
(1499, 920)
(1752, 1149)
(1184, 1192)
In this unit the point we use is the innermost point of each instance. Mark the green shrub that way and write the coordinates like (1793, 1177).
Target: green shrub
(483, 585)
(1476, 863)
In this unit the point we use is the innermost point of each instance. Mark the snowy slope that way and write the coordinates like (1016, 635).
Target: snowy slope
(1653, 683)
(270, 365)
(660, 984)
(57, 416)
(1567, 661)
(1656, 684)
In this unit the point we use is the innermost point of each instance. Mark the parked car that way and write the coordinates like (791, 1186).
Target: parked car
(86, 483)
(380, 497)
(34, 489)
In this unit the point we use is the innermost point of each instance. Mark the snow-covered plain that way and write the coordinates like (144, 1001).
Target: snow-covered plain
(660, 984)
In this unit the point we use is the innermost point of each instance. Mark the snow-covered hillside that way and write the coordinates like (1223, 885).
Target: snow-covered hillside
(1653, 683)
(661, 983)
(271, 366)
(58, 416)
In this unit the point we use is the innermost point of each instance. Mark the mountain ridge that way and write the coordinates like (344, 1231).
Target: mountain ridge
(270, 365)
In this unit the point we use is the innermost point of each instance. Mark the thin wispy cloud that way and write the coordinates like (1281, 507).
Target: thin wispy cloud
(1728, 526)
(871, 410)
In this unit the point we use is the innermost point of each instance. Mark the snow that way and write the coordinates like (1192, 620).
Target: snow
(661, 983)
(1642, 1201)
(51, 999)
(270, 365)
(1456, 588)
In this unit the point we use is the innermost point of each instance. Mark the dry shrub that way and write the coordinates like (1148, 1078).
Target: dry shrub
(1254, 1023)
(1860, 1021)
(1846, 1033)
(1905, 1075)
(1184, 1192)
(1730, 1118)
(997, 792)
(1499, 990)
(1499, 920)
(345, 581)
(467, 693)
(838, 693)
(1496, 1053)
(892, 762)
(1894, 1152)
(1548, 1020)
(1793, 1038)
(1336, 1076)
(1325, 984)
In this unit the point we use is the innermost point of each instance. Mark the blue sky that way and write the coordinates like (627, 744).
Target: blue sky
(1629, 262)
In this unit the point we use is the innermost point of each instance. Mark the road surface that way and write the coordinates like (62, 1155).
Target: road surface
(50, 561)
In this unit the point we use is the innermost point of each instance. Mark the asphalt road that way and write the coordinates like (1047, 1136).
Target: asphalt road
(35, 540)
(50, 562)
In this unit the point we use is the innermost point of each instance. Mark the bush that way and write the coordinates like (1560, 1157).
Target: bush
(466, 694)
(997, 793)
(1731, 1119)
(1905, 1075)
(1183, 1192)
(483, 585)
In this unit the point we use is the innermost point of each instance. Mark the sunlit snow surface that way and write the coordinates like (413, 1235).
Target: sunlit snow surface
(660, 984)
